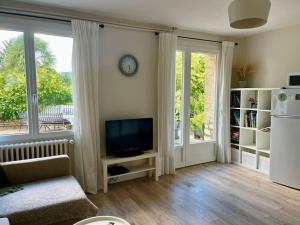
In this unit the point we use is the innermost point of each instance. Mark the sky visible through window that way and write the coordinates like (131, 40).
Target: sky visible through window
(61, 47)
(53, 62)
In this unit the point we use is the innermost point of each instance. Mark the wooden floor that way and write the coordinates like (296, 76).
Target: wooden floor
(205, 194)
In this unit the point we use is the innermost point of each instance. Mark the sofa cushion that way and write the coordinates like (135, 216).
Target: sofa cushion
(46, 202)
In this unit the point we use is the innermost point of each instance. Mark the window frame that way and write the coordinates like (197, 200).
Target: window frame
(29, 27)
(188, 46)
(182, 108)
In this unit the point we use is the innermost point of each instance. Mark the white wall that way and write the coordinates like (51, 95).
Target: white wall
(274, 55)
(128, 97)
(134, 97)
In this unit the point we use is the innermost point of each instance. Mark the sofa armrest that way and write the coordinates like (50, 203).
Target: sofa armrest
(23, 171)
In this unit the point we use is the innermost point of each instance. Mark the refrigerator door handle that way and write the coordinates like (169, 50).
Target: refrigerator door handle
(286, 116)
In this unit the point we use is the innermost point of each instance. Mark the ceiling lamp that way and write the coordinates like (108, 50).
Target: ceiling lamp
(244, 14)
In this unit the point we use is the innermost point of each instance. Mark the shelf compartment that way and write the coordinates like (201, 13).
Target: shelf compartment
(252, 147)
(246, 95)
(235, 145)
(249, 109)
(265, 151)
(265, 130)
(265, 110)
(263, 141)
(235, 135)
(248, 128)
(264, 99)
(248, 118)
(248, 138)
(248, 158)
(263, 120)
(235, 118)
(235, 155)
(134, 170)
(264, 164)
(235, 99)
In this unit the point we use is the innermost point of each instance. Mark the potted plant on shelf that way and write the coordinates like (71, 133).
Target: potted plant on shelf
(197, 126)
(244, 70)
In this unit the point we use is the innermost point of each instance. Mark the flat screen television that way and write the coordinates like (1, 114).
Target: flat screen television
(128, 137)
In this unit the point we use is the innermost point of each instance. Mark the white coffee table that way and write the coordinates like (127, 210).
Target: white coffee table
(103, 220)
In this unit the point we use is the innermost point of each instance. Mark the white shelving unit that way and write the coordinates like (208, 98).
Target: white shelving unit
(253, 147)
(150, 167)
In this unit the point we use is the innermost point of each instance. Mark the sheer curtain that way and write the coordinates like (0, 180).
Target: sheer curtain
(166, 101)
(223, 148)
(86, 103)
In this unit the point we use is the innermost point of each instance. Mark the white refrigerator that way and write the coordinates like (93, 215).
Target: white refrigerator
(285, 137)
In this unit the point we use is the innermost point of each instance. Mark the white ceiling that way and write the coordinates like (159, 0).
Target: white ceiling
(209, 16)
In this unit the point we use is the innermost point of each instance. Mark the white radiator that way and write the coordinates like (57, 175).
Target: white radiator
(31, 150)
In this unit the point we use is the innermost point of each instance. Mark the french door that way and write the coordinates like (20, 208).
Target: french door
(196, 104)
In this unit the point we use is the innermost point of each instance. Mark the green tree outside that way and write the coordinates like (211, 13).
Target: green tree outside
(196, 92)
(53, 88)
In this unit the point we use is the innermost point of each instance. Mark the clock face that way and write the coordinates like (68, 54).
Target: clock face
(128, 65)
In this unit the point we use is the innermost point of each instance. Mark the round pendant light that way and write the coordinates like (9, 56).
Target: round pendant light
(245, 14)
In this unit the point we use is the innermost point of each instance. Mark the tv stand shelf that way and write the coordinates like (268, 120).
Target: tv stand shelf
(150, 167)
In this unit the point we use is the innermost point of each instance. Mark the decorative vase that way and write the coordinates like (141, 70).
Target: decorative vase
(243, 84)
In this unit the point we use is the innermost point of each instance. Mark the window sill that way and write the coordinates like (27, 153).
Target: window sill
(12, 139)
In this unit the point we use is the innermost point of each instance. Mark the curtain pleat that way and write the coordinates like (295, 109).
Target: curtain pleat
(224, 83)
(166, 101)
(86, 100)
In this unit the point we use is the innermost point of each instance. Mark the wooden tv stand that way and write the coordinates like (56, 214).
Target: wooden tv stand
(151, 166)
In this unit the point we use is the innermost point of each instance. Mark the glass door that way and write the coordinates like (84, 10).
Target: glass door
(195, 109)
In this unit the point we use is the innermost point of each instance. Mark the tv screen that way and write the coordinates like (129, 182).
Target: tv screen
(128, 137)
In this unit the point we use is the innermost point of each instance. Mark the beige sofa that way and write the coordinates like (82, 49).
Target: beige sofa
(50, 195)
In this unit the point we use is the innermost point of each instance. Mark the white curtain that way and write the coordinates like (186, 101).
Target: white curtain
(86, 103)
(223, 148)
(166, 101)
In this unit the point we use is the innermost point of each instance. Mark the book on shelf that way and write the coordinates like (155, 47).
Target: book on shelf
(235, 99)
(250, 119)
(235, 118)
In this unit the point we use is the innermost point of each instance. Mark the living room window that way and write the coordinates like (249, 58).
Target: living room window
(13, 100)
(53, 58)
(195, 94)
(35, 83)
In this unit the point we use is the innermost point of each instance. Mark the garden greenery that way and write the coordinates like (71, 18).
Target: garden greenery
(53, 88)
(196, 92)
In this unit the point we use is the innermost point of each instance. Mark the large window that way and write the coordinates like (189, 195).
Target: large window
(202, 97)
(13, 101)
(197, 69)
(179, 99)
(35, 83)
(53, 76)
(195, 95)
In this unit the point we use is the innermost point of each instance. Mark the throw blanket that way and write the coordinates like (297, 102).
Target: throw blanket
(11, 189)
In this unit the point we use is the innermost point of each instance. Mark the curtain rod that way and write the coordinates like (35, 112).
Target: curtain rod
(100, 25)
(68, 20)
(199, 39)
(43, 17)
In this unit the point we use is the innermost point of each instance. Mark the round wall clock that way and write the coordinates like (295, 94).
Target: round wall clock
(128, 65)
